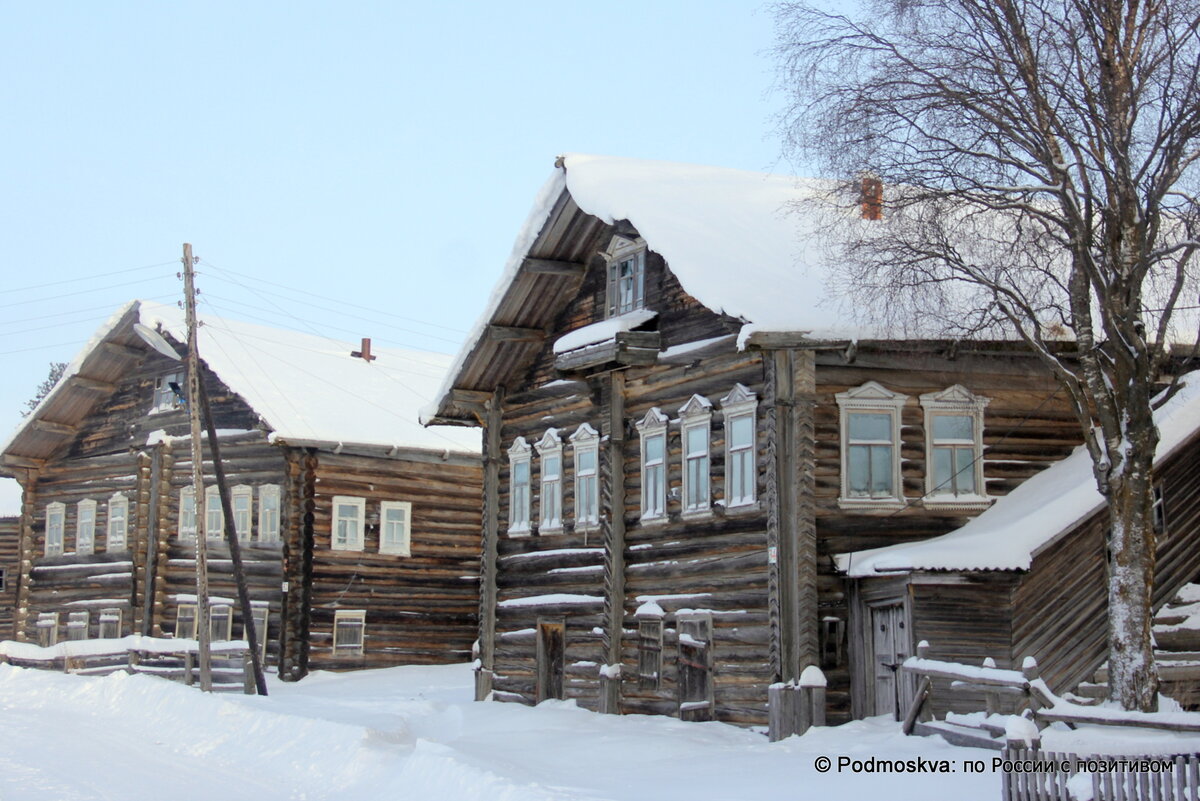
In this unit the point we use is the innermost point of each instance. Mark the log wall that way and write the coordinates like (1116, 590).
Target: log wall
(10, 563)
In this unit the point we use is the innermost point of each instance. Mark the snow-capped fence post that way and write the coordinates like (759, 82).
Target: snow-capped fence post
(812, 692)
(783, 710)
(249, 683)
(188, 678)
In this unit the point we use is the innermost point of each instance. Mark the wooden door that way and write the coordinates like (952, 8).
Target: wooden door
(889, 641)
(695, 668)
(551, 659)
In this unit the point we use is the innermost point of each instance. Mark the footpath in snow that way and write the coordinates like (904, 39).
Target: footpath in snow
(413, 733)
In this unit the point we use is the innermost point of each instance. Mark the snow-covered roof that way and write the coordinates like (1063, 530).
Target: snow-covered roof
(306, 388)
(1007, 535)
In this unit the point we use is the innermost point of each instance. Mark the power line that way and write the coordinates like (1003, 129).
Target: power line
(14, 321)
(76, 280)
(81, 292)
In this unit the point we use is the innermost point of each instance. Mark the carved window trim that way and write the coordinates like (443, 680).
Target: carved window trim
(695, 445)
(654, 465)
(872, 398)
(626, 269)
(241, 498)
(954, 401)
(349, 632)
(56, 527)
(214, 513)
(550, 481)
(269, 513)
(187, 514)
(739, 405)
(520, 484)
(85, 527)
(117, 527)
(585, 442)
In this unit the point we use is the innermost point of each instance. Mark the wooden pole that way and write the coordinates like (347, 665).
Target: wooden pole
(193, 395)
(235, 548)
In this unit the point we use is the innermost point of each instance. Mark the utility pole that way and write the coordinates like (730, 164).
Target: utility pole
(193, 398)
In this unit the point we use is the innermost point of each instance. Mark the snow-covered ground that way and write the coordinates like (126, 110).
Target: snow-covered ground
(413, 733)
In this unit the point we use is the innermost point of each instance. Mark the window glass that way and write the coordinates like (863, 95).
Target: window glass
(953, 426)
(870, 426)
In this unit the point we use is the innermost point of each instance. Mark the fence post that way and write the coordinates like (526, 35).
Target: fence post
(248, 685)
(188, 679)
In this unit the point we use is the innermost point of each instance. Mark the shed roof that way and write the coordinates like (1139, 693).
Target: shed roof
(1010, 533)
(307, 389)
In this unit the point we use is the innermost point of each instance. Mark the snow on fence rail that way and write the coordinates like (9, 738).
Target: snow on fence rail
(1033, 775)
(170, 658)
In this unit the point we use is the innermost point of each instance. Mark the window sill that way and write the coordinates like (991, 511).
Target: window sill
(870, 504)
(350, 548)
(394, 552)
(653, 522)
(696, 514)
(752, 508)
(520, 531)
(544, 530)
(966, 503)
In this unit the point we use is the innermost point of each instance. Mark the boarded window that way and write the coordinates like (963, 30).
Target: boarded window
(551, 659)
(47, 628)
(349, 632)
(110, 624)
(695, 667)
(649, 653)
(77, 626)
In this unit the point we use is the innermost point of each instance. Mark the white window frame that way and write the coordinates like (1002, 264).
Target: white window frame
(214, 514)
(117, 526)
(56, 527)
(47, 629)
(85, 527)
(107, 629)
(955, 401)
(243, 519)
(871, 398)
(740, 403)
(270, 506)
(586, 441)
(396, 546)
(519, 496)
(1158, 511)
(165, 399)
(550, 511)
(187, 497)
(696, 416)
(354, 539)
(190, 635)
(632, 251)
(350, 619)
(78, 623)
(654, 472)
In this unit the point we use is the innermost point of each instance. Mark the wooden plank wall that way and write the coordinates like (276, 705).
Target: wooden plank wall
(10, 563)
(420, 609)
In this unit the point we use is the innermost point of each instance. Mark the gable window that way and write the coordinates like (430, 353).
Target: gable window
(185, 621)
(741, 458)
(56, 515)
(626, 276)
(77, 625)
(168, 392)
(110, 624)
(242, 500)
(518, 495)
(349, 632)
(954, 448)
(870, 427)
(550, 451)
(653, 432)
(85, 527)
(586, 444)
(349, 518)
(214, 515)
(696, 416)
(268, 513)
(47, 628)
(118, 522)
(395, 527)
(187, 514)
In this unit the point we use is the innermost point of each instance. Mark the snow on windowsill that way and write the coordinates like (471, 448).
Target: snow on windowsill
(602, 331)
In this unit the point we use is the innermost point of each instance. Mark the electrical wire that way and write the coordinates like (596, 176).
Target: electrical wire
(76, 280)
(105, 288)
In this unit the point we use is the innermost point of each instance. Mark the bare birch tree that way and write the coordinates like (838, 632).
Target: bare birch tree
(1040, 158)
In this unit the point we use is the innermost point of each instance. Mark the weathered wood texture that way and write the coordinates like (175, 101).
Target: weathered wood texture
(422, 608)
(10, 568)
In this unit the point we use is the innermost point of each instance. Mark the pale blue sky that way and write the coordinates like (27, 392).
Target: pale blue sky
(378, 154)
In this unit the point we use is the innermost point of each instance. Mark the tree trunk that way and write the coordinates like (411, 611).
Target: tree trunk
(1133, 677)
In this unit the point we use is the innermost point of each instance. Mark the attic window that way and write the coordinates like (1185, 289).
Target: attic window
(168, 392)
(626, 276)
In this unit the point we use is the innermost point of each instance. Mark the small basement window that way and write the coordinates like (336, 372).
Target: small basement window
(220, 623)
(110, 623)
(77, 625)
(185, 621)
(349, 632)
(47, 629)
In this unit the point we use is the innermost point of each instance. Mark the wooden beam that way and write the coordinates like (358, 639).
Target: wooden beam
(510, 333)
(49, 427)
(123, 350)
(469, 397)
(28, 462)
(91, 383)
(568, 269)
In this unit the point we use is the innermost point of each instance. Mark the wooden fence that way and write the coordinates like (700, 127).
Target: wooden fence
(1032, 775)
(174, 659)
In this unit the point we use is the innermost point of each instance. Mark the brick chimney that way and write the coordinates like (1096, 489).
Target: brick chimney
(872, 198)
(365, 353)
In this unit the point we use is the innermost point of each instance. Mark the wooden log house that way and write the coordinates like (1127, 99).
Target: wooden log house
(682, 432)
(10, 565)
(358, 527)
